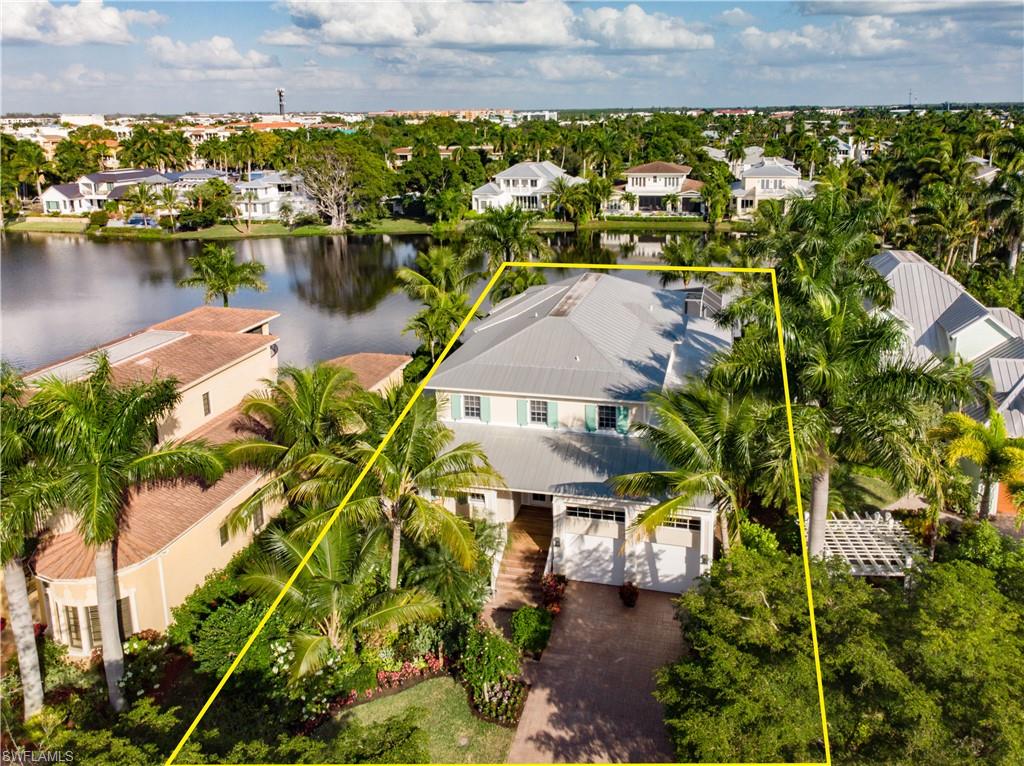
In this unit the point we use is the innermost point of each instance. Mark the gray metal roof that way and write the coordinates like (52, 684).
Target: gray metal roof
(70, 191)
(547, 170)
(542, 460)
(594, 336)
(962, 312)
(771, 167)
(75, 368)
(1009, 320)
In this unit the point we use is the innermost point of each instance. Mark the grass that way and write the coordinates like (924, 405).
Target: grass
(54, 226)
(447, 720)
(862, 492)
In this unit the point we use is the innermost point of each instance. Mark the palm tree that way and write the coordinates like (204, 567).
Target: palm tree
(215, 270)
(504, 234)
(304, 411)
(100, 438)
(415, 462)
(998, 456)
(140, 199)
(29, 164)
(561, 200)
(169, 199)
(670, 201)
(947, 215)
(1006, 206)
(335, 592)
(438, 271)
(515, 281)
(706, 439)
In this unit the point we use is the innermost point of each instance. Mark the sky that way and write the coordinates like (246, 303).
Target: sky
(172, 57)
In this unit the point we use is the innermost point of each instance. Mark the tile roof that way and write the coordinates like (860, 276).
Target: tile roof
(153, 517)
(371, 369)
(192, 357)
(217, 318)
(665, 168)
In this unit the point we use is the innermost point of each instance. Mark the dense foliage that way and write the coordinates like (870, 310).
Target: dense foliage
(531, 628)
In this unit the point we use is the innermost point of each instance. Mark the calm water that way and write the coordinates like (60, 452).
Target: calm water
(336, 295)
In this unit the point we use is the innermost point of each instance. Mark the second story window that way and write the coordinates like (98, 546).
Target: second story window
(206, 403)
(538, 411)
(471, 406)
(224, 534)
(607, 417)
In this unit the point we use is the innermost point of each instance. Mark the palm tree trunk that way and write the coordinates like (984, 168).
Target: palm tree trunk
(1014, 256)
(974, 248)
(106, 605)
(396, 544)
(986, 499)
(24, 636)
(819, 511)
(723, 526)
(224, 297)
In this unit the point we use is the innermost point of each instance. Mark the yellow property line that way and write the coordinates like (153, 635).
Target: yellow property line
(419, 390)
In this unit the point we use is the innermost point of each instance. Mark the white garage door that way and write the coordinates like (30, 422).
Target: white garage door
(591, 558)
(669, 568)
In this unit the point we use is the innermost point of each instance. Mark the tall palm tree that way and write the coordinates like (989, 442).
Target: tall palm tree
(504, 234)
(304, 411)
(140, 198)
(99, 436)
(441, 281)
(215, 270)
(948, 216)
(169, 199)
(416, 461)
(515, 281)
(707, 440)
(998, 456)
(29, 165)
(336, 592)
(1006, 206)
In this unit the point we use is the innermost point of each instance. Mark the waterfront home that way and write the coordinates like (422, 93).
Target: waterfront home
(94, 190)
(262, 197)
(658, 187)
(773, 178)
(172, 535)
(549, 383)
(942, 319)
(525, 184)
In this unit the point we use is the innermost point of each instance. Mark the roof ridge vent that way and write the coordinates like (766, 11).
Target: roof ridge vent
(580, 290)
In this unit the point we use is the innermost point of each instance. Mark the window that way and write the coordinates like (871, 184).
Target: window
(224, 535)
(471, 406)
(538, 411)
(257, 519)
(74, 627)
(477, 499)
(206, 403)
(607, 417)
(746, 203)
(598, 514)
(540, 498)
(681, 522)
(124, 621)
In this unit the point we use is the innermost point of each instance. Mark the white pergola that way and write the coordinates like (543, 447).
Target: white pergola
(874, 545)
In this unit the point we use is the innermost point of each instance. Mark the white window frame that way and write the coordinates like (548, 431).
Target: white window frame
(471, 407)
(615, 515)
(530, 417)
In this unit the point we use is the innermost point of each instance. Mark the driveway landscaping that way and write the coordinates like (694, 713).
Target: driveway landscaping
(592, 690)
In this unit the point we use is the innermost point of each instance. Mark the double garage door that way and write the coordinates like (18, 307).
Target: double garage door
(598, 555)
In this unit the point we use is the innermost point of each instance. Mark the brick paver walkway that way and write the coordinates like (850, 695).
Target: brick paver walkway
(591, 699)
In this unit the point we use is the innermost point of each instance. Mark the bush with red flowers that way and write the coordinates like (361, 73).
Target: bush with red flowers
(552, 587)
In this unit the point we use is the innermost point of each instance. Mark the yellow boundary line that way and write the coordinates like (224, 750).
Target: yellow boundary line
(419, 390)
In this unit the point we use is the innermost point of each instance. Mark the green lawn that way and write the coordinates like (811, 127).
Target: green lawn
(56, 225)
(454, 734)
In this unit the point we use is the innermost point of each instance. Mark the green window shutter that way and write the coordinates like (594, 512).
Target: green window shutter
(522, 411)
(485, 409)
(590, 416)
(456, 406)
(553, 414)
(622, 420)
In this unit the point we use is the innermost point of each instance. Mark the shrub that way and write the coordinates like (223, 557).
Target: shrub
(487, 661)
(505, 703)
(166, 222)
(552, 588)
(98, 218)
(758, 537)
(629, 594)
(531, 628)
(145, 655)
(217, 589)
(222, 635)
(306, 219)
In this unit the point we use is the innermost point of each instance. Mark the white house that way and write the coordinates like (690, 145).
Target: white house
(985, 172)
(658, 186)
(525, 184)
(263, 195)
(93, 191)
(549, 384)
(773, 178)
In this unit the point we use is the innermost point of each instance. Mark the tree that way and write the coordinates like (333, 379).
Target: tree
(441, 282)
(503, 234)
(998, 456)
(169, 200)
(413, 468)
(140, 198)
(344, 179)
(706, 439)
(99, 436)
(336, 594)
(946, 215)
(215, 270)
(1006, 206)
(29, 164)
(515, 281)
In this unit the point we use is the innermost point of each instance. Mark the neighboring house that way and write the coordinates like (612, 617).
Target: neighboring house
(185, 181)
(402, 154)
(773, 178)
(659, 186)
(525, 184)
(942, 319)
(548, 384)
(172, 535)
(375, 372)
(93, 191)
(261, 197)
(841, 151)
(986, 172)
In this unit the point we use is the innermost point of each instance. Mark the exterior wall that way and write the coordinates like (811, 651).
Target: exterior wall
(974, 340)
(654, 184)
(391, 381)
(504, 410)
(224, 388)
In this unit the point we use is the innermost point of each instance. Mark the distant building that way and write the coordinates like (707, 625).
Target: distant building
(658, 187)
(525, 184)
(263, 196)
(79, 120)
(773, 178)
(93, 191)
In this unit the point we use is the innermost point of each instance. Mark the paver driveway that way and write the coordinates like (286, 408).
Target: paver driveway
(591, 699)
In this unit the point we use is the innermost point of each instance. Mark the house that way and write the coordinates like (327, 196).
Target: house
(773, 178)
(549, 383)
(185, 181)
(985, 172)
(658, 186)
(263, 196)
(841, 150)
(525, 184)
(93, 191)
(172, 535)
(375, 372)
(942, 319)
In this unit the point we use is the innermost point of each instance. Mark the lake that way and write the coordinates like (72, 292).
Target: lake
(63, 294)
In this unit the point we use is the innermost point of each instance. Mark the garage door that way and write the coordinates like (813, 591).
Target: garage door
(591, 558)
(669, 568)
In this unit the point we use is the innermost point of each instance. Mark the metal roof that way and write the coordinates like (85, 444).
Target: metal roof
(874, 545)
(135, 345)
(962, 312)
(595, 336)
(771, 167)
(546, 169)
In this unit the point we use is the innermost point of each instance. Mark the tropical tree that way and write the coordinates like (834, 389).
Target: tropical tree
(140, 198)
(946, 215)
(1006, 206)
(997, 456)
(99, 437)
(441, 281)
(215, 270)
(707, 439)
(169, 199)
(515, 281)
(338, 592)
(405, 487)
(504, 234)
(29, 165)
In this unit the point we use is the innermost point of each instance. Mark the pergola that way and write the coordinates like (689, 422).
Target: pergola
(874, 545)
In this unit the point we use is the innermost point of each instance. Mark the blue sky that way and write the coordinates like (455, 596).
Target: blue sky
(169, 57)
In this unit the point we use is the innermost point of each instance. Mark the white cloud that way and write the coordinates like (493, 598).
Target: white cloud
(217, 52)
(633, 28)
(864, 37)
(905, 7)
(75, 78)
(582, 68)
(90, 21)
(735, 17)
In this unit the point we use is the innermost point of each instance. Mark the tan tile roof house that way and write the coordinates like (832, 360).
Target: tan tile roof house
(171, 535)
(374, 372)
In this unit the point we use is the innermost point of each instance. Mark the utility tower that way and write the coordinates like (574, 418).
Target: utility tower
(280, 101)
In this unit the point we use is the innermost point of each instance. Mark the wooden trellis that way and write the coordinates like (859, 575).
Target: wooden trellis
(874, 545)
